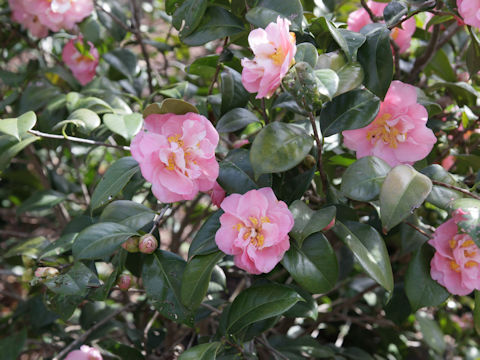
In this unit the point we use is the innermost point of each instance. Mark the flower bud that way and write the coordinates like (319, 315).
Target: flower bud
(147, 244)
(46, 272)
(309, 161)
(131, 245)
(124, 282)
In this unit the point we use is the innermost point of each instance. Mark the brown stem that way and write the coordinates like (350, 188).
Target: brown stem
(373, 17)
(423, 60)
(319, 142)
(424, 233)
(456, 188)
(217, 71)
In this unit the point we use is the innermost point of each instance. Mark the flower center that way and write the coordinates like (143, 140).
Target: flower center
(279, 55)
(470, 250)
(172, 164)
(253, 233)
(385, 132)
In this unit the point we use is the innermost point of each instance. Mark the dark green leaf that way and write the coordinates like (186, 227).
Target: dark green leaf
(18, 126)
(267, 11)
(126, 125)
(204, 242)
(11, 346)
(205, 351)
(189, 15)
(432, 334)
(74, 282)
(308, 53)
(128, 213)
(308, 221)
(10, 146)
(123, 60)
(470, 223)
(234, 94)
(235, 119)
(41, 200)
(167, 106)
(350, 77)
(394, 11)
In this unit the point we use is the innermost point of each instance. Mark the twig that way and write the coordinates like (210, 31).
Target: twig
(211, 308)
(149, 326)
(87, 333)
(424, 233)
(86, 195)
(456, 188)
(159, 218)
(423, 60)
(217, 71)
(373, 17)
(76, 139)
(114, 17)
(263, 340)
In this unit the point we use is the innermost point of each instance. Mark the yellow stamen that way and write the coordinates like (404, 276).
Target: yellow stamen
(383, 131)
(454, 266)
(264, 219)
(467, 243)
(171, 163)
(238, 226)
(470, 264)
(176, 138)
(469, 253)
(453, 243)
(253, 220)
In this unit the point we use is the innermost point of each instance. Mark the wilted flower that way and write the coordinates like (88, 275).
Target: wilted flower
(85, 353)
(274, 49)
(455, 264)
(254, 229)
(148, 244)
(399, 134)
(83, 64)
(177, 155)
(402, 36)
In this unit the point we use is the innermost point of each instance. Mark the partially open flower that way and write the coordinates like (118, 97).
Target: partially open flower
(148, 244)
(85, 353)
(124, 282)
(83, 63)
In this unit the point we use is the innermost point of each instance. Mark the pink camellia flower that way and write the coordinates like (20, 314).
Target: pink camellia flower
(274, 49)
(25, 16)
(83, 66)
(455, 264)
(254, 229)
(217, 194)
(177, 155)
(469, 10)
(402, 37)
(398, 134)
(85, 353)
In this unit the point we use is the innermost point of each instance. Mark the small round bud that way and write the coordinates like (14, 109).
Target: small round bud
(131, 245)
(124, 282)
(148, 244)
(330, 225)
(46, 272)
(309, 161)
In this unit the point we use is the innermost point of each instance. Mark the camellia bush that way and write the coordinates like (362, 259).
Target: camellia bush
(239, 179)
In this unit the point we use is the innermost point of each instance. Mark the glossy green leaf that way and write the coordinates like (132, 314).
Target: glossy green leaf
(441, 196)
(61, 245)
(394, 11)
(233, 93)
(403, 190)
(301, 346)
(196, 278)
(432, 334)
(41, 200)
(162, 274)
(236, 119)
(376, 58)
(188, 16)
(84, 119)
(205, 351)
(74, 282)
(18, 126)
(363, 179)
(473, 54)
(476, 312)
(308, 221)
(327, 82)
(259, 303)
(314, 265)
(217, 23)
(10, 147)
(123, 60)
(167, 106)
(350, 77)
(99, 240)
(421, 289)
(308, 53)
(204, 241)
(352, 110)
(31, 247)
(348, 41)
(114, 180)
(11, 346)
(126, 125)
(369, 249)
(304, 309)
(470, 223)
(128, 213)
(279, 147)
(267, 11)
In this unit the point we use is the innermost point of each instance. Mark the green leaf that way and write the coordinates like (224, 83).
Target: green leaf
(99, 240)
(421, 289)
(126, 125)
(162, 274)
(313, 266)
(432, 334)
(61, 245)
(362, 180)
(470, 223)
(123, 60)
(167, 106)
(31, 248)
(473, 54)
(267, 11)
(394, 11)
(205, 351)
(348, 41)
(196, 278)
(84, 119)
(124, 352)
(204, 241)
(279, 147)
(441, 196)
(308, 221)
(308, 53)
(128, 213)
(352, 110)
(301, 346)
(114, 180)
(328, 82)
(11, 346)
(304, 309)
(403, 190)
(259, 303)
(376, 58)
(18, 126)
(75, 281)
(217, 23)
(236, 119)
(464, 93)
(476, 312)
(10, 147)
(233, 93)
(350, 77)
(369, 249)
(41, 200)
(189, 15)
(440, 65)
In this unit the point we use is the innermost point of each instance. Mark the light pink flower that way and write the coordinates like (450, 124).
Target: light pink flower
(85, 353)
(398, 134)
(83, 66)
(455, 264)
(254, 229)
(274, 49)
(177, 155)
(217, 194)
(28, 18)
(402, 37)
(469, 10)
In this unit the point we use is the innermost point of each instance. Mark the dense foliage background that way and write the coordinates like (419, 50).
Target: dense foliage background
(71, 193)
